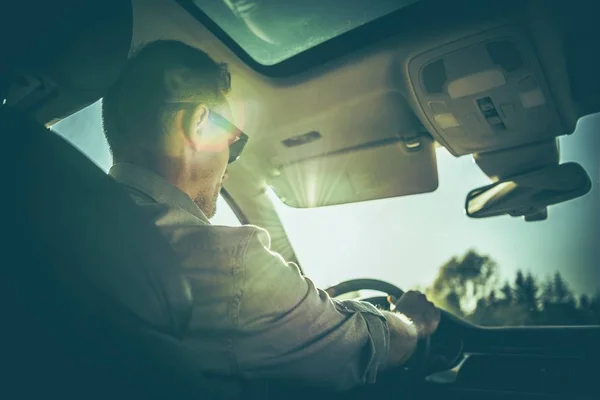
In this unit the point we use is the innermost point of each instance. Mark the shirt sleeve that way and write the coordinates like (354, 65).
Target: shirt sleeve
(288, 329)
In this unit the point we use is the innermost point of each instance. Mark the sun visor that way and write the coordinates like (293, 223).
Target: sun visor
(369, 173)
(363, 150)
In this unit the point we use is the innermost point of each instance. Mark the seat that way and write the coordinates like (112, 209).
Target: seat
(93, 302)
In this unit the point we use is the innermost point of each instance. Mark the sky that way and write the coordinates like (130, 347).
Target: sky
(289, 28)
(405, 240)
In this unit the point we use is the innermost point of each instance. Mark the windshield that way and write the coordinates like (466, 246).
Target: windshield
(493, 271)
(271, 31)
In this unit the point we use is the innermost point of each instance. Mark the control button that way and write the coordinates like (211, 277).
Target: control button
(485, 104)
(494, 120)
(527, 84)
(438, 107)
(490, 113)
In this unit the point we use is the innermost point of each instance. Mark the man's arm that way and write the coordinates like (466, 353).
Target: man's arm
(403, 339)
(288, 329)
(405, 331)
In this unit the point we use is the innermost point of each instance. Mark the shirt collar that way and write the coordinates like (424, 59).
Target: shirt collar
(156, 187)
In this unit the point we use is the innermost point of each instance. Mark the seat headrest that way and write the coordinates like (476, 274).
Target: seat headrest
(94, 235)
(62, 56)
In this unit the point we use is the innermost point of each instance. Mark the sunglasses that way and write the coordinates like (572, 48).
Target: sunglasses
(237, 144)
(237, 138)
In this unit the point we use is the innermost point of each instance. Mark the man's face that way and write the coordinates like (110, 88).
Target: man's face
(210, 161)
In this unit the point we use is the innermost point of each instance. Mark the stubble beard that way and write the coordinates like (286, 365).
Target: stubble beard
(207, 202)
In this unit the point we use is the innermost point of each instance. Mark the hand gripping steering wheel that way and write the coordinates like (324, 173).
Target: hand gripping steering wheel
(448, 330)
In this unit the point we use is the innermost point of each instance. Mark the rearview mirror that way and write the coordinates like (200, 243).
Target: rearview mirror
(529, 194)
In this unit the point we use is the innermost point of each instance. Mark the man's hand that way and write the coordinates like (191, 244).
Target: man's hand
(425, 316)
(416, 318)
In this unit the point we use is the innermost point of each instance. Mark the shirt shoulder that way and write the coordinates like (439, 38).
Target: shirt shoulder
(193, 237)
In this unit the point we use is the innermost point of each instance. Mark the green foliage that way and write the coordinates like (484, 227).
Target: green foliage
(460, 282)
(468, 287)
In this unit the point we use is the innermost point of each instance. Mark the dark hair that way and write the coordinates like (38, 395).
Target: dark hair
(136, 110)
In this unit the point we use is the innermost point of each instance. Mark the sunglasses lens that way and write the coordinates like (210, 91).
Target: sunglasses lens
(220, 134)
(235, 149)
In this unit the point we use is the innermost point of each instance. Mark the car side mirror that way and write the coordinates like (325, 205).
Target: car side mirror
(529, 194)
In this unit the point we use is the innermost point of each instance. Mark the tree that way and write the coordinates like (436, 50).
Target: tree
(584, 302)
(547, 295)
(595, 307)
(468, 287)
(486, 311)
(519, 287)
(585, 313)
(452, 300)
(530, 292)
(461, 281)
(562, 292)
(507, 292)
(588, 310)
(595, 302)
(558, 306)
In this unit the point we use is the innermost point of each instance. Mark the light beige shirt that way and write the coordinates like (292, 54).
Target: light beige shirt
(254, 315)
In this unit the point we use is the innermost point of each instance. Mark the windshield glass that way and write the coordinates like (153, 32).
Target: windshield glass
(493, 271)
(84, 131)
(271, 31)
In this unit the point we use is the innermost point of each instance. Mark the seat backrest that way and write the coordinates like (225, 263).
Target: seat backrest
(95, 301)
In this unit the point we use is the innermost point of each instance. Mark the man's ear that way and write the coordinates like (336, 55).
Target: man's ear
(195, 123)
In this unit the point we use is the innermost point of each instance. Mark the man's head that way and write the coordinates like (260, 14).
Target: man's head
(159, 116)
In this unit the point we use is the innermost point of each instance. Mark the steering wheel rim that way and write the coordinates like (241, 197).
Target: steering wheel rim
(423, 350)
(449, 324)
(354, 285)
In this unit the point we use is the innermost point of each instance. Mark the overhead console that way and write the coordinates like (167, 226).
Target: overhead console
(484, 92)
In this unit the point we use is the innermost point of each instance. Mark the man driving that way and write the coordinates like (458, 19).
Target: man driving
(255, 316)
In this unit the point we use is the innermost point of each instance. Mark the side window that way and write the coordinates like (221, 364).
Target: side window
(84, 131)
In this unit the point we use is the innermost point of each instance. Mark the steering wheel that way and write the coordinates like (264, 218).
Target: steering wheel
(445, 342)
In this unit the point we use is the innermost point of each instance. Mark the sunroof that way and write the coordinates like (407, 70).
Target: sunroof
(271, 31)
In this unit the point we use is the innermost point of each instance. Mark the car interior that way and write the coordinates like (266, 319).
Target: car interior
(94, 302)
